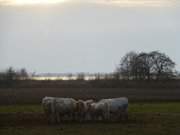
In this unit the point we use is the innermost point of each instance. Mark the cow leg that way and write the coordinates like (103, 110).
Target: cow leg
(48, 116)
(74, 116)
(125, 115)
(107, 115)
(71, 116)
(52, 119)
(104, 116)
(58, 119)
(119, 115)
(94, 116)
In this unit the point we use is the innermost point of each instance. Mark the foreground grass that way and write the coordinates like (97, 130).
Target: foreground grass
(21, 109)
(144, 119)
(154, 107)
(141, 124)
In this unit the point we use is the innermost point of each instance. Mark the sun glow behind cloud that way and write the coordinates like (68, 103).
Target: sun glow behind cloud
(138, 3)
(121, 3)
(30, 2)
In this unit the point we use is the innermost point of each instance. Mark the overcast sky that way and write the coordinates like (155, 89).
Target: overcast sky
(86, 36)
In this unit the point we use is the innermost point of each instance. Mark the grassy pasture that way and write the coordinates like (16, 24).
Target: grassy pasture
(156, 118)
(135, 107)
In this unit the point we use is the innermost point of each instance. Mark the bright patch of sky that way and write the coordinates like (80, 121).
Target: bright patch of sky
(122, 3)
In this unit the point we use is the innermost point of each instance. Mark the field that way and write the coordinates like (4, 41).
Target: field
(157, 118)
(35, 95)
(154, 108)
(32, 92)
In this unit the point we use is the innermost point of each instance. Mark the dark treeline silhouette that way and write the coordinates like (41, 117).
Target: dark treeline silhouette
(9, 77)
(146, 66)
(12, 74)
(133, 67)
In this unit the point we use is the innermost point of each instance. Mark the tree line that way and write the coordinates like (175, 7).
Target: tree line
(146, 66)
(11, 74)
(133, 66)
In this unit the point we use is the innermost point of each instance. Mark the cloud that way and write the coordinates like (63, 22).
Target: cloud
(121, 3)
(30, 2)
(134, 3)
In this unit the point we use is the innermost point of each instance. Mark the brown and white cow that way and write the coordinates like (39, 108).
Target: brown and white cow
(82, 109)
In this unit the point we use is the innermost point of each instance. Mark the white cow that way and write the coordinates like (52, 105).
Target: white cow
(49, 108)
(98, 110)
(65, 107)
(57, 108)
(110, 109)
(117, 108)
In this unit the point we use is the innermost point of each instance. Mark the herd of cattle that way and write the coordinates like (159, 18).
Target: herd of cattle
(60, 109)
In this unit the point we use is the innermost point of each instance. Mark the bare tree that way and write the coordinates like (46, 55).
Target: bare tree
(116, 75)
(81, 76)
(22, 74)
(10, 74)
(2, 76)
(162, 65)
(97, 76)
(125, 67)
(144, 66)
(70, 75)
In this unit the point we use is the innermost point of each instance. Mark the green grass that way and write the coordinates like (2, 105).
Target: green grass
(157, 127)
(157, 118)
(155, 107)
(21, 109)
